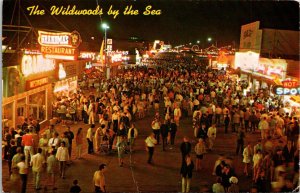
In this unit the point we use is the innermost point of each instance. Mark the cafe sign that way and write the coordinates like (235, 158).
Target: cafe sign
(61, 45)
(287, 88)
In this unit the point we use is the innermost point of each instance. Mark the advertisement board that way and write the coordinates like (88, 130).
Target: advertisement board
(251, 36)
(61, 45)
(247, 61)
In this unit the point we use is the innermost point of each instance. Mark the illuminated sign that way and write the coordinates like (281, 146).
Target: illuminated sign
(36, 83)
(88, 55)
(63, 39)
(287, 88)
(279, 90)
(61, 72)
(59, 45)
(246, 60)
(33, 64)
(289, 84)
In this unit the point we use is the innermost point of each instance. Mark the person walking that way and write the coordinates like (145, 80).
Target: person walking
(28, 142)
(186, 172)
(247, 153)
(240, 141)
(23, 171)
(150, 144)
(51, 170)
(131, 136)
(156, 128)
(43, 144)
(62, 156)
(99, 179)
(185, 148)
(263, 126)
(164, 130)
(70, 135)
(200, 151)
(121, 146)
(173, 130)
(89, 137)
(226, 122)
(53, 143)
(211, 134)
(37, 163)
(79, 142)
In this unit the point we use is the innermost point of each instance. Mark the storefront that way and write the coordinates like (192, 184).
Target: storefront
(262, 73)
(35, 104)
(27, 89)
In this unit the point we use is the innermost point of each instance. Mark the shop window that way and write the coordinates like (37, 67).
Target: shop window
(37, 106)
(7, 115)
(21, 111)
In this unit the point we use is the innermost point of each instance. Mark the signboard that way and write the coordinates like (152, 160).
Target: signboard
(109, 41)
(88, 55)
(287, 88)
(246, 60)
(59, 45)
(251, 36)
(36, 83)
(33, 64)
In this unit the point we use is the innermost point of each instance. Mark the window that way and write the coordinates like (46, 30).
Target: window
(37, 106)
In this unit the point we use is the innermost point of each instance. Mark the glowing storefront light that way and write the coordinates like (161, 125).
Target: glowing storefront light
(33, 64)
(61, 72)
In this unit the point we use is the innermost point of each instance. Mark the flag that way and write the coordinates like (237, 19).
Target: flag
(101, 53)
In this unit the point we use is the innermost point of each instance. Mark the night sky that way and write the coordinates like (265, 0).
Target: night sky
(180, 21)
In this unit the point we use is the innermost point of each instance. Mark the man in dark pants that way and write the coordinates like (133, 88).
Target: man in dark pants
(173, 130)
(89, 137)
(70, 136)
(164, 130)
(185, 148)
(150, 144)
(240, 141)
(226, 122)
(156, 128)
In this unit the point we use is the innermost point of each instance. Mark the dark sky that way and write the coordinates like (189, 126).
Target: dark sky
(181, 21)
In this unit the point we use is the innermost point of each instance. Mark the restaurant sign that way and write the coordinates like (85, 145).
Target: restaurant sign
(36, 83)
(59, 45)
(287, 88)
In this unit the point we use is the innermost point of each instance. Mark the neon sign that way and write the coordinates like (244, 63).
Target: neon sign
(59, 45)
(286, 91)
(33, 64)
(63, 39)
(287, 88)
(36, 83)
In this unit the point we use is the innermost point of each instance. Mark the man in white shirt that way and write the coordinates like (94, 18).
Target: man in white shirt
(62, 156)
(37, 163)
(23, 171)
(53, 142)
(156, 129)
(51, 170)
(150, 144)
(211, 134)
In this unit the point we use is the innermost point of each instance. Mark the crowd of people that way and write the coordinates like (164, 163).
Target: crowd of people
(209, 98)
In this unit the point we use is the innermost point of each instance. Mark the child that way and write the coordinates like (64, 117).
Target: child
(75, 188)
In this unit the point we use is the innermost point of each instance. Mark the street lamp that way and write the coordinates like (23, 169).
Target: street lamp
(198, 41)
(209, 39)
(105, 27)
